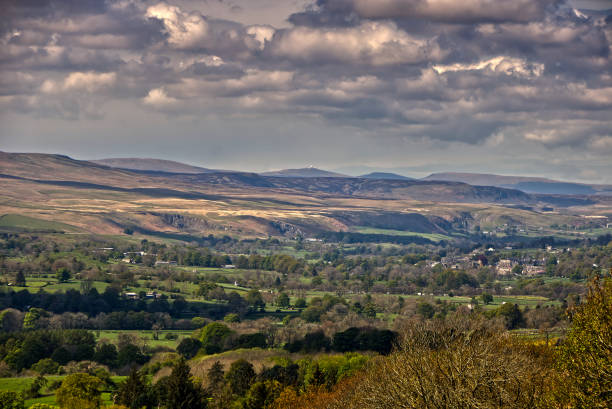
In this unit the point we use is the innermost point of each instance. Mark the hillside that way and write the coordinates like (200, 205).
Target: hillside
(83, 196)
(384, 175)
(309, 172)
(147, 164)
(523, 183)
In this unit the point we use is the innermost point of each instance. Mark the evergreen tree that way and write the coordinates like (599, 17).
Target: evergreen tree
(180, 390)
(240, 376)
(20, 279)
(134, 392)
(215, 377)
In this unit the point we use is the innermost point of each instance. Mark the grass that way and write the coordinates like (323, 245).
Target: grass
(389, 232)
(19, 222)
(19, 384)
(52, 285)
(147, 336)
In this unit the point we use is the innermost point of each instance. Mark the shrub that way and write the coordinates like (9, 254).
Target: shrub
(46, 366)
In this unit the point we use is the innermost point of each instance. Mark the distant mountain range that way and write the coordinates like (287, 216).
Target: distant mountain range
(154, 165)
(533, 185)
(384, 175)
(523, 183)
(65, 171)
(309, 172)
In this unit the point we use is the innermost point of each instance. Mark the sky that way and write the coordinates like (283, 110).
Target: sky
(521, 87)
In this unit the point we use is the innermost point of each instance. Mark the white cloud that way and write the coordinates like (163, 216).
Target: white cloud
(500, 64)
(89, 81)
(80, 81)
(260, 34)
(159, 99)
(372, 43)
(185, 30)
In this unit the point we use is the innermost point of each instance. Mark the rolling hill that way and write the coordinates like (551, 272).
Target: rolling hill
(384, 175)
(309, 172)
(56, 192)
(523, 183)
(147, 164)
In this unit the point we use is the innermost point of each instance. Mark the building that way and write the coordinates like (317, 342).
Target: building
(504, 267)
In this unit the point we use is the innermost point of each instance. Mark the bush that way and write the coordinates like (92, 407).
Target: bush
(46, 366)
(231, 318)
(188, 347)
(79, 391)
(214, 336)
(11, 400)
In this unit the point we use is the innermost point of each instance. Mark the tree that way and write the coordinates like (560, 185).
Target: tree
(188, 347)
(215, 377)
(86, 286)
(312, 313)
(204, 288)
(46, 366)
(370, 310)
(231, 318)
(255, 300)
(486, 298)
(240, 376)
(62, 274)
(106, 354)
(213, 337)
(130, 354)
(11, 400)
(10, 320)
(512, 315)
(300, 303)
(262, 394)
(79, 391)
(181, 392)
(32, 319)
(425, 309)
(586, 354)
(134, 392)
(35, 387)
(217, 387)
(283, 300)
(20, 279)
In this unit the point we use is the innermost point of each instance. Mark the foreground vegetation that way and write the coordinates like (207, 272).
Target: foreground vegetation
(91, 321)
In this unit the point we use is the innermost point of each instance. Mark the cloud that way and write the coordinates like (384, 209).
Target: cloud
(158, 98)
(448, 11)
(261, 35)
(370, 43)
(80, 81)
(89, 81)
(184, 30)
(500, 64)
(476, 73)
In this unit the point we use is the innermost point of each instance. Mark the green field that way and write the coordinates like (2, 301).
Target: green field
(147, 336)
(52, 285)
(25, 223)
(22, 383)
(389, 232)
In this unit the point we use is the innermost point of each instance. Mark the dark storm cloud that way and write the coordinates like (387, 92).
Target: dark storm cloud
(489, 73)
